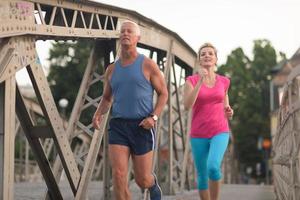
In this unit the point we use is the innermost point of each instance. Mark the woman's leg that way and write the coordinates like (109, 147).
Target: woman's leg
(200, 149)
(218, 145)
(214, 189)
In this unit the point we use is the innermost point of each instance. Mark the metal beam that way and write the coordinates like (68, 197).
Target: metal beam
(72, 20)
(154, 35)
(16, 53)
(52, 117)
(286, 141)
(36, 147)
(9, 135)
(2, 94)
(90, 160)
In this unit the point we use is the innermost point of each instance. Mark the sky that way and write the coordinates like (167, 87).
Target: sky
(227, 24)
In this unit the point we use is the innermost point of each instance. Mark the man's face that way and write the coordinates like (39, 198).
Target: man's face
(128, 35)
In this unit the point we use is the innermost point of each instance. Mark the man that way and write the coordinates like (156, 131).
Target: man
(129, 84)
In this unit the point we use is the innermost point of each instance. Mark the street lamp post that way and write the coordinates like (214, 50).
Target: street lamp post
(63, 104)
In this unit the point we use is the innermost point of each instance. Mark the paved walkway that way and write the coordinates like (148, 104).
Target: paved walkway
(35, 191)
(234, 192)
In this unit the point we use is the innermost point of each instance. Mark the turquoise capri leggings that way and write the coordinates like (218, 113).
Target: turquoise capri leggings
(208, 154)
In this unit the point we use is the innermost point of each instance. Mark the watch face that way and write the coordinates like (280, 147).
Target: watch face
(155, 117)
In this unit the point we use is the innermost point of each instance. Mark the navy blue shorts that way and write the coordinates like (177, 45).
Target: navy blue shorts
(128, 132)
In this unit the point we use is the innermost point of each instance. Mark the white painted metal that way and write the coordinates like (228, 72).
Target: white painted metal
(24, 22)
(286, 143)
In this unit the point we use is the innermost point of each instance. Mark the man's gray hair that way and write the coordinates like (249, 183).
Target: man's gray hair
(137, 28)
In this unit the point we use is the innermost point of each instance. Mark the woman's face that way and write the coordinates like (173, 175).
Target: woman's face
(208, 57)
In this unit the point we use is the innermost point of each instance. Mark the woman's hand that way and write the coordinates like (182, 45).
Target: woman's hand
(202, 73)
(228, 112)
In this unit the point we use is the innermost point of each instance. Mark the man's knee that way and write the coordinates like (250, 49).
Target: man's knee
(144, 181)
(119, 174)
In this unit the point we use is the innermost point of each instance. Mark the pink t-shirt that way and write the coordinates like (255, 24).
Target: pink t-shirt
(208, 116)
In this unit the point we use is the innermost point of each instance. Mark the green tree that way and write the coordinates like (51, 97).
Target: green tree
(249, 97)
(68, 61)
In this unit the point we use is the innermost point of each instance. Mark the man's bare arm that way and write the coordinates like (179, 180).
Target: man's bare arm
(106, 100)
(159, 85)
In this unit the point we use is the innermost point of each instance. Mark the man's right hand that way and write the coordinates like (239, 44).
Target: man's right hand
(97, 118)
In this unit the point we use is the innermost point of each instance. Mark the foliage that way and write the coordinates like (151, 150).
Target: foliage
(68, 62)
(249, 96)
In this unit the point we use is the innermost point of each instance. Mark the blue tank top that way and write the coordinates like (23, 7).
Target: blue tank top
(132, 92)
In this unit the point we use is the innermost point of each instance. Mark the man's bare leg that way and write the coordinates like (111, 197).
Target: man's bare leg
(142, 165)
(119, 156)
(144, 177)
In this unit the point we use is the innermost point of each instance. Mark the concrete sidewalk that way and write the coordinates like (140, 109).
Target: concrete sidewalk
(35, 191)
(233, 192)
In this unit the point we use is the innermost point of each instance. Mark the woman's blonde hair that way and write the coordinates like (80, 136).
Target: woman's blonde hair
(207, 44)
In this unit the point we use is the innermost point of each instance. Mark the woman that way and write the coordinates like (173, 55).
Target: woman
(207, 94)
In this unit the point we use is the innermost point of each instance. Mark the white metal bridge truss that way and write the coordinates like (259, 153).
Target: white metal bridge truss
(286, 144)
(22, 23)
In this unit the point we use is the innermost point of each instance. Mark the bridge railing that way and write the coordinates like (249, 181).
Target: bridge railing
(286, 144)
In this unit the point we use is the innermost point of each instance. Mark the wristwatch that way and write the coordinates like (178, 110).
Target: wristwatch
(154, 117)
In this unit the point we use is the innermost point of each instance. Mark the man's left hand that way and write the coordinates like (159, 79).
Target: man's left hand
(147, 123)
